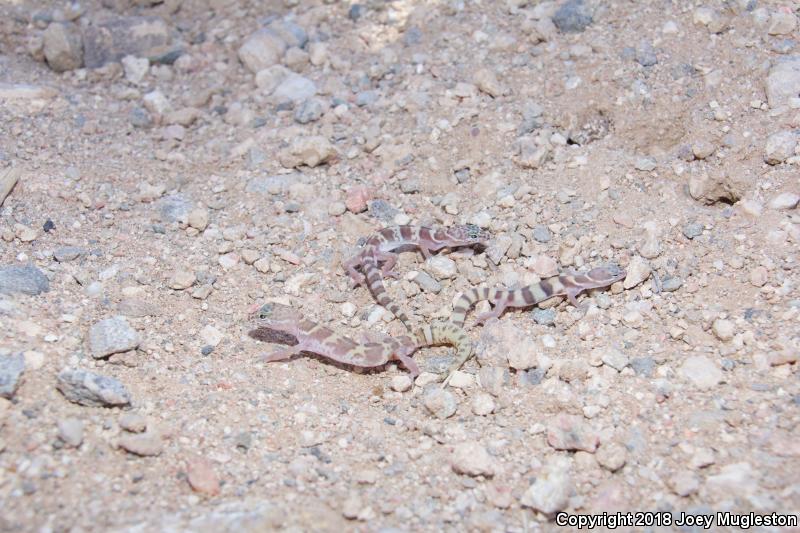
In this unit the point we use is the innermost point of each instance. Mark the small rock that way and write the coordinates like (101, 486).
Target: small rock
(615, 359)
(143, 444)
(294, 88)
(117, 37)
(638, 271)
(542, 233)
(312, 151)
(135, 68)
(440, 403)
(262, 49)
(781, 23)
(442, 267)
(70, 431)
(692, 230)
(472, 459)
(201, 476)
(357, 198)
(723, 329)
(703, 149)
(646, 55)
(785, 201)
(68, 253)
(571, 432)
(337, 209)
(544, 317)
(309, 111)
(182, 279)
(25, 233)
(780, 147)
(684, 483)
(427, 283)
(500, 343)
(719, 187)
(783, 81)
(759, 276)
(645, 164)
(198, 218)
(90, 389)
(551, 491)
(498, 247)
(461, 380)
(712, 19)
(63, 46)
(110, 336)
(701, 371)
(492, 379)
(23, 279)
(401, 383)
(612, 456)
(133, 422)
(486, 81)
(8, 176)
(483, 404)
(643, 366)
(573, 16)
(11, 369)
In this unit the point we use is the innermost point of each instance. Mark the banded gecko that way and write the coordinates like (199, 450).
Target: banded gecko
(569, 285)
(276, 322)
(383, 245)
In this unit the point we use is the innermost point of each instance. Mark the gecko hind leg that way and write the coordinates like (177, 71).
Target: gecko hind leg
(281, 354)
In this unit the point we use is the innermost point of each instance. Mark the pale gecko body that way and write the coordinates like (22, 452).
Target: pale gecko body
(321, 340)
(569, 285)
(384, 245)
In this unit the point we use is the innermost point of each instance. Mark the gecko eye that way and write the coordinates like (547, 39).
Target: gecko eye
(473, 231)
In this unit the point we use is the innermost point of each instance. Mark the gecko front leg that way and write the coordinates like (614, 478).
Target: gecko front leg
(390, 260)
(281, 354)
(499, 307)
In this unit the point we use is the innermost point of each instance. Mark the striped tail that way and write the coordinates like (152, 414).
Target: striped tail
(446, 333)
(465, 303)
(375, 283)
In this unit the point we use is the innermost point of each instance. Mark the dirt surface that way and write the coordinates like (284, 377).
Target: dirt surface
(156, 202)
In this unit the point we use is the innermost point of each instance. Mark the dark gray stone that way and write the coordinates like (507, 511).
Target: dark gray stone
(692, 230)
(11, 369)
(356, 12)
(542, 234)
(68, 253)
(643, 366)
(23, 279)
(544, 317)
(309, 111)
(671, 284)
(116, 38)
(140, 118)
(174, 208)
(365, 98)
(382, 210)
(646, 55)
(110, 336)
(90, 389)
(572, 17)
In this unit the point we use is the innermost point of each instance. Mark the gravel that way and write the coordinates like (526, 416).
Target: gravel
(92, 390)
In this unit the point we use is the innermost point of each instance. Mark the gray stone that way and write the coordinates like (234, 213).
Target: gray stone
(139, 117)
(143, 444)
(571, 432)
(542, 233)
(70, 431)
(11, 369)
(544, 317)
(276, 184)
(382, 210)
(780, 147)
(572, 17)
(701, 371)
(646, 55)
(110, 336)
(174, 208)
(23, 279)
(440, 402)
(472, 459)
(671, 284)
(783, 81)
(309, 111)
(63, 46)
(784, 201)
(291, 33)
(262, 49)
(551, 490)
(90, 389)
(68, 253)
(118, 37)
(643, 366)
(427, 283)
(692, 230)
(365, 98)
(295, 88)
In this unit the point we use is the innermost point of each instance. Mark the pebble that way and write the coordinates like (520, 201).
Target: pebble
(228, 261)
(63, 46)
(261, 50)
(472, 459)
(440, 402)
(309, 111)
(759, 276)
(483, 404)
(612, 456)
(492, 379)
(544, 266)
(487, 81)
(643, 366)
(11, 369)
(382, 210)
(201, 476)
(90, 389)
(442, 267)
(503, 343)
(723, 329)
(551, 491)
(498, 247)
(70, 431)
(198, 218)
(671, 284)
(703, 149)
(23, 279)
(401, 383)
(646, 55)
(692, 230)
(784, 201)
(133, 422)
(461, 380)
(8, 176)
(311, 151)
(638, 271)
(573, 16)
(633, 319)
(182, 279)
(544, 317)
(135, 68)
(615, 359)
(426, 282)
(65, 254)
(712, 19)
(110, 336)
(542, 233)
(295, 89)
(781, 23)
(174, 208)
(115, 37)
(783, 81)
(25, 233)
(571, 432)
(684, 483)
(143, 444)
(780, 147)
(701, 372)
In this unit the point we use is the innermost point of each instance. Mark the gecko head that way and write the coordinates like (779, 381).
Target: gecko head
(467, 234)
(606, 275)
(272, 314)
